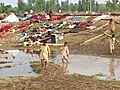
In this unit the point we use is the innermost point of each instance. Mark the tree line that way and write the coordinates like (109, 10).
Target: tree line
(44, 6)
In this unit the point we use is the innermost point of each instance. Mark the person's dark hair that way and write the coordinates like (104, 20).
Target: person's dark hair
(111, 19)
(65, 43)
(13, 57)
(113, 35)
(44, 43)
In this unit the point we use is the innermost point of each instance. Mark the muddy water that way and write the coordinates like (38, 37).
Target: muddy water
(102, 68)
(20, 65)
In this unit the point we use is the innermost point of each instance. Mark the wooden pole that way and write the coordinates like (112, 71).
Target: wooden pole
(94, 38)
(53, 44)
(99, 28)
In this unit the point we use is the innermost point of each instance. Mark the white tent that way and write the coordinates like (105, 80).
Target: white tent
(11, 18)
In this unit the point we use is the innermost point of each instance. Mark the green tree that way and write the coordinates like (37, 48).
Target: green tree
(47, 6)
(65, 6)
(53, 5)
(80, 9)
(39, 6)
(75, 7)
(112, 5)
(57, 5)
(30, 5)
(71, 7)
(93, 5)
(7, 9)
(96, 7)
(21, 6)
(86, 5)
(2, 7)
(109, 5)
(115, 5)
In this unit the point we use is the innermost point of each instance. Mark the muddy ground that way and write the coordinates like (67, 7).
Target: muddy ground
(55, 77)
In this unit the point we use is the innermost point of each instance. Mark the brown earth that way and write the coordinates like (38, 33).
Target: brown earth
(55, 77)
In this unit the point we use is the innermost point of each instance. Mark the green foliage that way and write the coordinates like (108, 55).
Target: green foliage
(5, 8)
(80, 6)
(44, 6)
(21, 6)
(113, 5)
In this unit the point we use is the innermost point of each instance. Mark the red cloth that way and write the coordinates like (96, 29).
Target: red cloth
(45, 39)
(66, 32)
(5, 28)
(85, 25)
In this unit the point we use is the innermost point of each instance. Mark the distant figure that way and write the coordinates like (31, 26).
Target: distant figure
(44, 54)
(47, 17)
(2, 54)
(51, 15)
(112, 42)
(13, 56)
(65, 52)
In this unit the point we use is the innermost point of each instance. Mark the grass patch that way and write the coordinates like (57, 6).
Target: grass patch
(99, 74)
(3, 62)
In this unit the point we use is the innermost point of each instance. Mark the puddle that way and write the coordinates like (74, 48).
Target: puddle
(20, 65)
(102, 68)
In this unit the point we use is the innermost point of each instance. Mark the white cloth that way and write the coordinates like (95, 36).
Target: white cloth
(45, 51)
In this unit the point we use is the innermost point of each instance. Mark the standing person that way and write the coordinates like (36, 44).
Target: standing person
(112, 24)
(51, 15)
(112, 42)
(65, 53)
(44, 54)
(47, 17)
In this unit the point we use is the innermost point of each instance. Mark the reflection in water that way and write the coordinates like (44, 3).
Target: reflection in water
(112, 67)
(13, 53)
(82, 64)
(65, 67)
(20, 65)
(31, 51)
(36, 52)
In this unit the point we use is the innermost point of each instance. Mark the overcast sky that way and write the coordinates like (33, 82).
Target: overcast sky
(14, 2)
